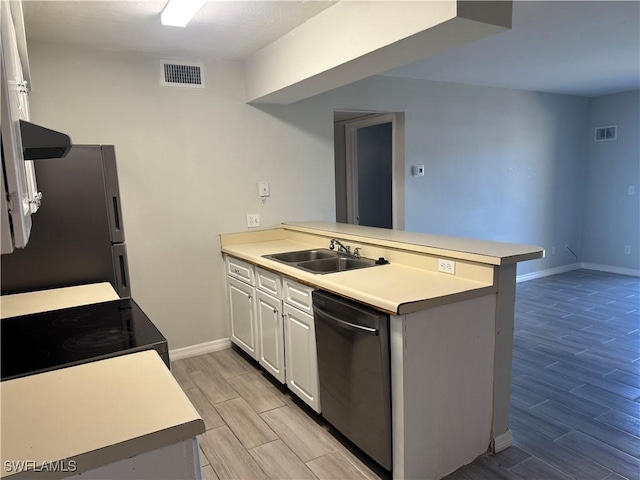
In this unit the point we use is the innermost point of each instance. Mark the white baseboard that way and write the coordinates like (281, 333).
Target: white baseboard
(548, 272)
(199, 349)
(576, 266)
(502, 442)
(610, 269)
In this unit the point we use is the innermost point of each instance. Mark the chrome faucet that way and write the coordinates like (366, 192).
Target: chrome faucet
(344, 248)
(341, 247)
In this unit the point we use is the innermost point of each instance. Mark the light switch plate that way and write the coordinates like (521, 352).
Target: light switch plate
(263, 189)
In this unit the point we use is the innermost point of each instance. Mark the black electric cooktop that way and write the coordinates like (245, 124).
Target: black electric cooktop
(62, 338)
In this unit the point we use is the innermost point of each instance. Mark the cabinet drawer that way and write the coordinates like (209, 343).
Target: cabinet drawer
(269, 282)
(298, 295)
(240, 270)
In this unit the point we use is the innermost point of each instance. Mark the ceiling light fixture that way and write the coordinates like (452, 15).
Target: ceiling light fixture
(178, 13)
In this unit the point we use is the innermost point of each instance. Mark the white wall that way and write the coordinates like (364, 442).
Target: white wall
(189, 162)
(612, 216)
(504, 165)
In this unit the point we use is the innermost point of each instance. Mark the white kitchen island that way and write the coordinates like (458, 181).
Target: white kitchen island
(451, 334)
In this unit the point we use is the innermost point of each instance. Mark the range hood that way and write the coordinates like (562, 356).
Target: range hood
(40, 142)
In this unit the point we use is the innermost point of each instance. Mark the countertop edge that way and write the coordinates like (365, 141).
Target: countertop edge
(401, 309)
(534, 252)
(120, 451)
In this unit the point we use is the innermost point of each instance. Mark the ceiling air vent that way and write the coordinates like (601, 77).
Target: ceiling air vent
(182, 74)
(610, 132)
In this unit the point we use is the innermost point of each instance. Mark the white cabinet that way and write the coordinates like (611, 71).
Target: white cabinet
(20, 199)
(243, 315)
(272, 320)
(271, 335)
(242, 305)
(301, 357)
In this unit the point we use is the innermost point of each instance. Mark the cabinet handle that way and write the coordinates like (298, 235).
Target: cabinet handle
(235, 270)
(275, 310)
(249, 297)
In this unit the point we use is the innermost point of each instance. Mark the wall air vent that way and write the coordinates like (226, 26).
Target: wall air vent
(610, 132)
(182, 74)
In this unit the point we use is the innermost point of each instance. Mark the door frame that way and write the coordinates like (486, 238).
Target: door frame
(397, 165)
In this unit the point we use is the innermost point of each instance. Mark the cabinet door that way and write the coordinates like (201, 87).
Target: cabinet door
(271, 334)
(301, 357)
(13, 162)
(243, 317)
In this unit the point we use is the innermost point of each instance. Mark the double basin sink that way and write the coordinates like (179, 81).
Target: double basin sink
(321, 260)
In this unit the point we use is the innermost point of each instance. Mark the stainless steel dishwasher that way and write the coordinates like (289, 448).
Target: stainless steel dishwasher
(354, 367)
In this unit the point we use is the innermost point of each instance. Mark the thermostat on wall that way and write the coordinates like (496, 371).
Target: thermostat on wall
(417, 170)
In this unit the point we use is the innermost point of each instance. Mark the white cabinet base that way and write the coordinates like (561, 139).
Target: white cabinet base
(270, 334)
(301, 356)
(243, 316)
(442, 387)
(181, 460)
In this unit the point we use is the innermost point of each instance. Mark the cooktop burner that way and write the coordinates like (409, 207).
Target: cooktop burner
(62, 338)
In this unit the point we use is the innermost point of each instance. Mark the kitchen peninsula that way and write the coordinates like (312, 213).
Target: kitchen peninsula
(451, 334)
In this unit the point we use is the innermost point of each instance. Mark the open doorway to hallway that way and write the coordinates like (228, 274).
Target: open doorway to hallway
(369, 168)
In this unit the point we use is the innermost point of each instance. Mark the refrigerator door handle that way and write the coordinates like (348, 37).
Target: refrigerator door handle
(121, 268)
(116, 226)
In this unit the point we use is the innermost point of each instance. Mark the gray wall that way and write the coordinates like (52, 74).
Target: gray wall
(611, 215)
(501, 164)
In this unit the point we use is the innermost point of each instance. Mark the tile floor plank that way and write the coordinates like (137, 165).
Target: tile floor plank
(305, 442)
(536, 469)
(179, 371)
(279, 462)
(335, 466)
(621, 440)
(208, 473)
(213, 386)
(226, 364)
(256, 391)
(204, 407)
(250, 429)
(604, 454)
(622, 421)
(228, 458)
(559, 456)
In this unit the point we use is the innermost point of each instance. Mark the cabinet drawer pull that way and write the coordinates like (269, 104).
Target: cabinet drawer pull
(275, 310)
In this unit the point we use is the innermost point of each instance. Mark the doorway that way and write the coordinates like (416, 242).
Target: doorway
(369, 168)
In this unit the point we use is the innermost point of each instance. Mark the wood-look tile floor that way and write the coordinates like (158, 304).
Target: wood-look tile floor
(256, 429)
(575, 397)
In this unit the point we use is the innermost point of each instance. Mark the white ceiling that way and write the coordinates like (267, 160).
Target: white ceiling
(578, 47)
(587, 48)
(224, 29)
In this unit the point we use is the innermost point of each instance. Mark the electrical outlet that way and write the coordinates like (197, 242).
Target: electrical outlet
(447, 266)
(627, 249)
(253, 220)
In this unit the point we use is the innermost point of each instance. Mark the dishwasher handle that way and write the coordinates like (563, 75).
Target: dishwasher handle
(344, 324)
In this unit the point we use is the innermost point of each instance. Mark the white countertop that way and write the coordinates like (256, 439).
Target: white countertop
(94, 414)
(55, 299)
(486, 251)
(394, 288)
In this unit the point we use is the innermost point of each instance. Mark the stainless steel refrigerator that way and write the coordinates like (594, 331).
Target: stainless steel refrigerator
(77, 235)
